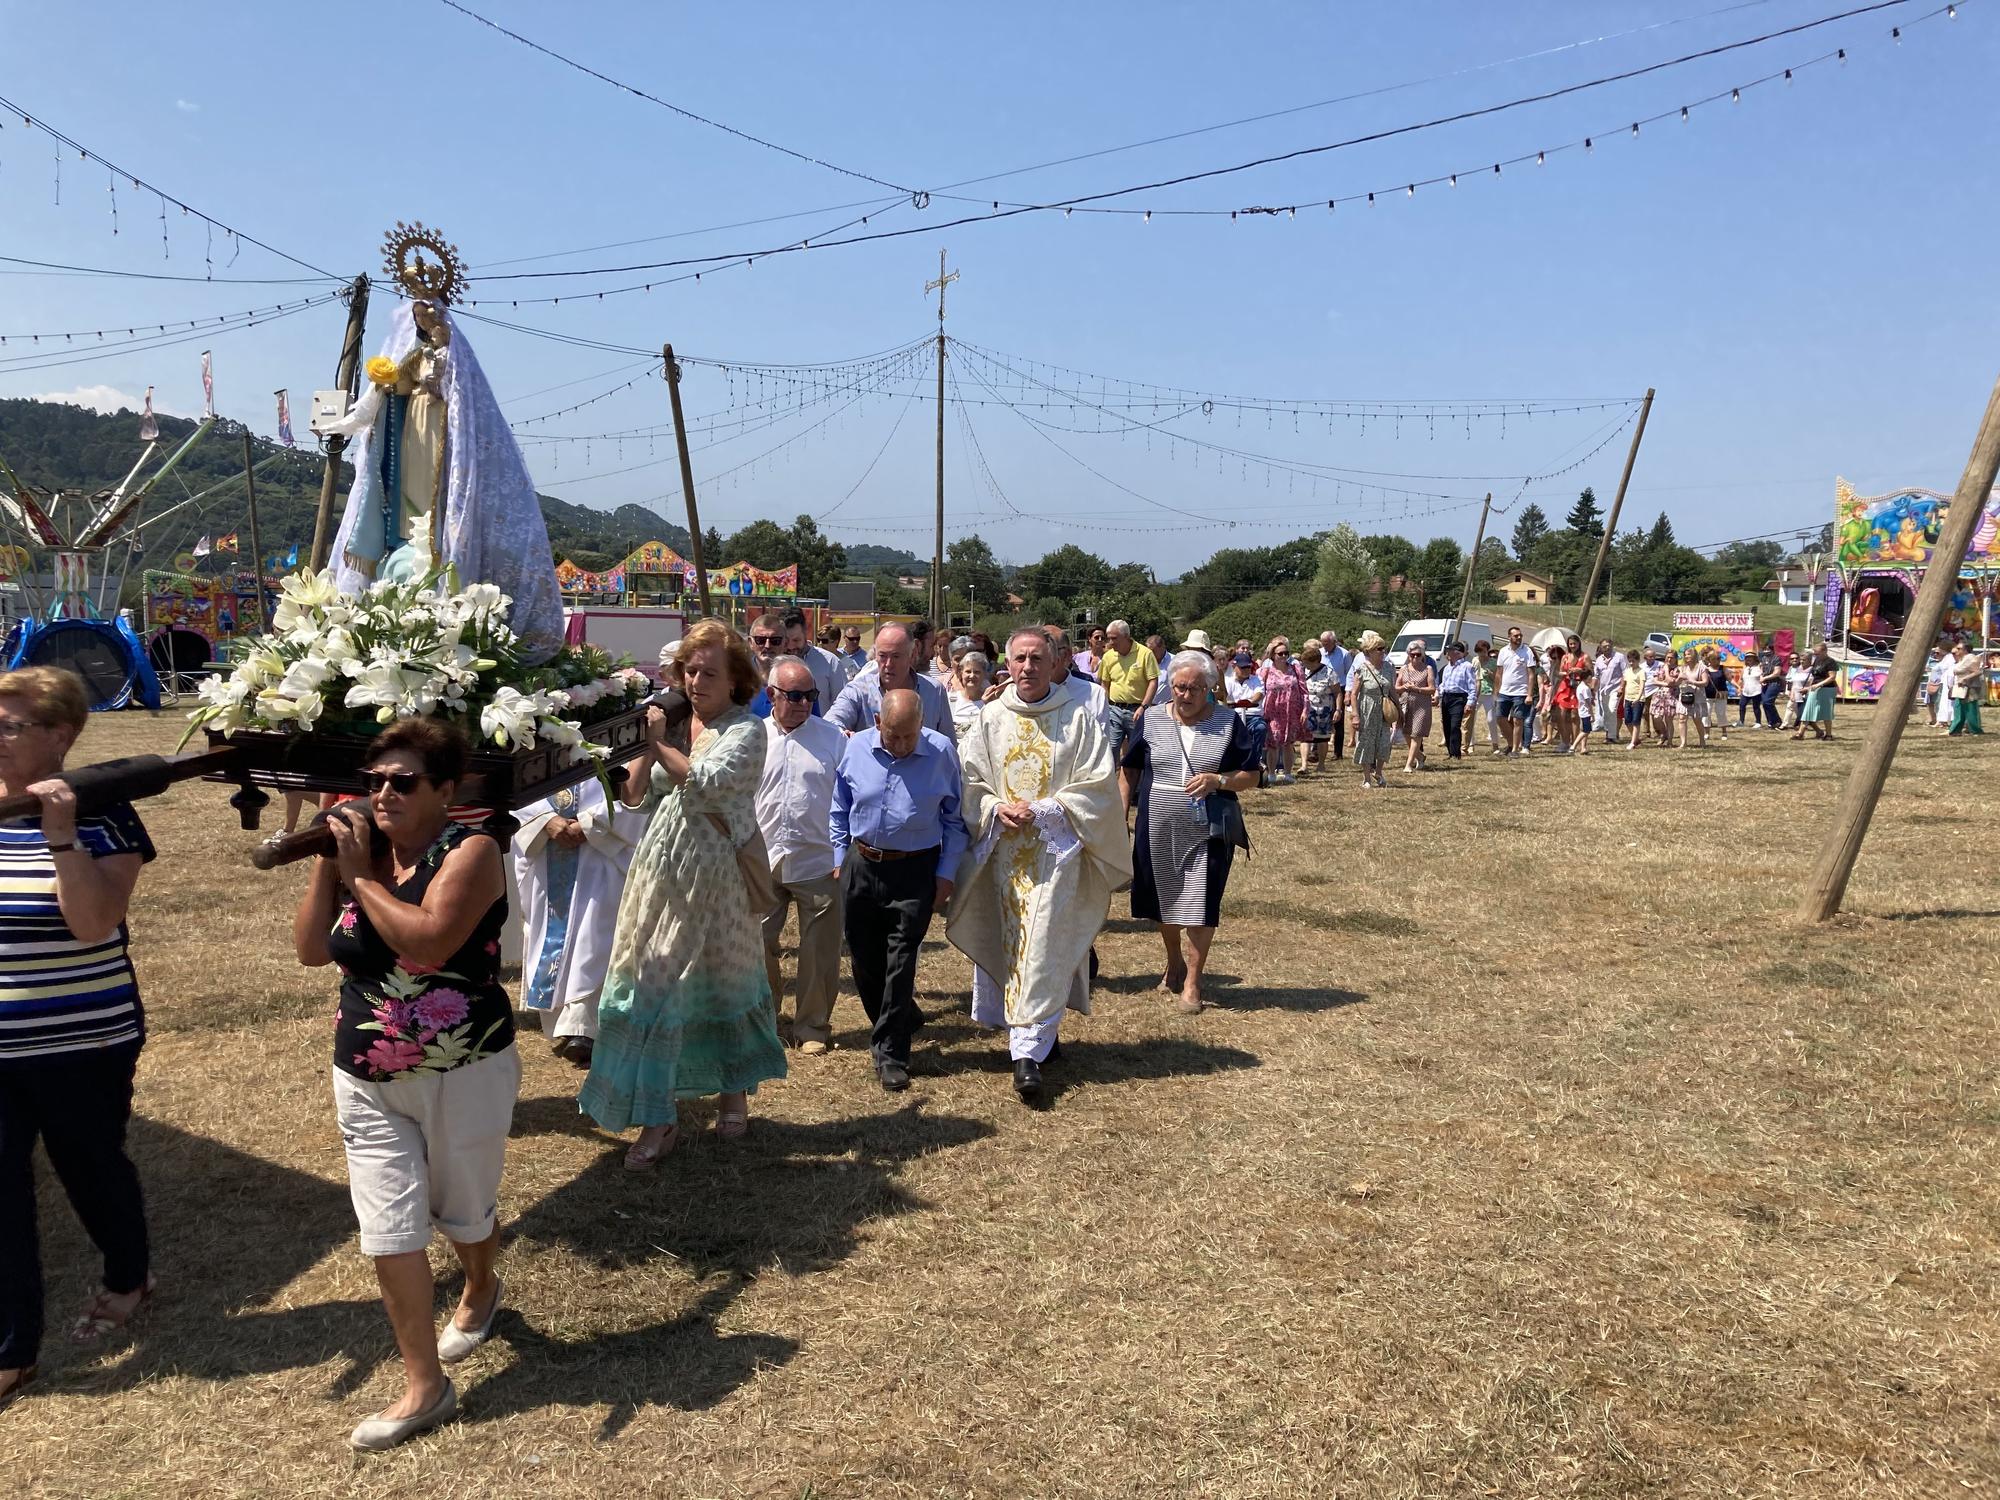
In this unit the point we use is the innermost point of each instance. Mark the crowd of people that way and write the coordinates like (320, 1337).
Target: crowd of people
(1012, 787)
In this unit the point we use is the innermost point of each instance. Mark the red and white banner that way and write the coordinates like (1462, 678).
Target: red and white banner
(207, 385)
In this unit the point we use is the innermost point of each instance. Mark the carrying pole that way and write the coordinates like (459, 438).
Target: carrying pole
(687, 474)
(347, 377)
(1611, 521)
(256, 539)
(1457, 631)
(1864, 783)
(944, 279)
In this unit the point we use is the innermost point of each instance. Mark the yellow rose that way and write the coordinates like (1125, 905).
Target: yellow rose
(382, 370)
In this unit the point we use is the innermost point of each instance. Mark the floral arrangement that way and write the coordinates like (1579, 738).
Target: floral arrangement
(348, 664)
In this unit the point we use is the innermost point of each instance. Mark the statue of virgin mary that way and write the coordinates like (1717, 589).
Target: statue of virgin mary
(429, 439)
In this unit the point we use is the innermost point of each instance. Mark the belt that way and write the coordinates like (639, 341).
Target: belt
(876, 856)
(1135, 703)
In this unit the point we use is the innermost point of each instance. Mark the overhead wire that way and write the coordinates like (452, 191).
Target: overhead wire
(37, 123)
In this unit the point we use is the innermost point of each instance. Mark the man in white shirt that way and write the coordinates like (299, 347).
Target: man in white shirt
(801, 755)
(1520, 678)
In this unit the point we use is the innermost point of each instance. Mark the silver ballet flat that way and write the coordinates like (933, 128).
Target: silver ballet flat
(380, 1434)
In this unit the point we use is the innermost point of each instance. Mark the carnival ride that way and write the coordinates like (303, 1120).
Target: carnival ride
(66, 624)
(1882, 548)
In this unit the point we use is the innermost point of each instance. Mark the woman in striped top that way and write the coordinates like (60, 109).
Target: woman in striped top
(70, 1021)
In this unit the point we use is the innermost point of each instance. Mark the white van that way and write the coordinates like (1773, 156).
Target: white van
(1433, 634)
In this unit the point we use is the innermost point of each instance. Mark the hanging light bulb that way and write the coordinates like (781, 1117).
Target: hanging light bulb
(1842, 55)
(1371, 198)
(1635, 127)
(1788, 75)
(1411, 190)
(1496, 169)
(1951, 12)
(1896, 35)
(1586, 143)
(1149, 217)
(1736, 96)
(1684, 111)
(1454, 179)
(1541, 158)
(1293, 212)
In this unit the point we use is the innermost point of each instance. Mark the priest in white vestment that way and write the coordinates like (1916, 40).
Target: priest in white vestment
(1048, 846)
(570, 857)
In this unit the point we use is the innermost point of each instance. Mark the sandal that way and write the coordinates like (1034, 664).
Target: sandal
(732, 1124)
(22, 1380)
(99, 1321)
(639, 1159)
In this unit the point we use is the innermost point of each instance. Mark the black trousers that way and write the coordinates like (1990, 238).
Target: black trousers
(1339, 731)
(1454, 721)
(887, 912)
(79, 1104)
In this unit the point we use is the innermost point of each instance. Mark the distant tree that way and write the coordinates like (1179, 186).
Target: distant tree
(1493, 561)
(1440, 573)
(762, 544)
(1068, 574)
(972, 572)
(1395, 556)
(1662, 534)
(821, 559)
(1237, 572)
(712, 549)
(1584, 517)
(1344, 570)
(1529, 528)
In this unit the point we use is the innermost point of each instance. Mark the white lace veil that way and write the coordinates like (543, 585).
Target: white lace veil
(493, 528)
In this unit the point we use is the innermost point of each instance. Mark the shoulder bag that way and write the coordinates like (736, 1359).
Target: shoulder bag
(1223, 812)
(1392, 711)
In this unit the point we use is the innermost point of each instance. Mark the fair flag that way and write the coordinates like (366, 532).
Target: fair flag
(149, 428)
(207, 385)
(285, 421)
(203, 547)
(227, 543)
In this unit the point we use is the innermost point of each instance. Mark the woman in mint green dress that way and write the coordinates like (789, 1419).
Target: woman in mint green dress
(686, 1010)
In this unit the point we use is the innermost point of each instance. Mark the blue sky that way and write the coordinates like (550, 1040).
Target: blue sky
(1800, 274)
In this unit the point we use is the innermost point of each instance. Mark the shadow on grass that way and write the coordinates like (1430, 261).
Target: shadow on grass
(230, 1231)
(1933, 915)
(1088, 1062)
(1223, 995)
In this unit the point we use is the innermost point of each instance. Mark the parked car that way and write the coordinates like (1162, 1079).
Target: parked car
(1660, 641)
(1434, 633)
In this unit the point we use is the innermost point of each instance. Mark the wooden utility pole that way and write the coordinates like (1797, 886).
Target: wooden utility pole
(1892, 709)
(256, 539)
(1611, 521)
(1471, 567)
(687, 475)
(347, 378)
(937, 540)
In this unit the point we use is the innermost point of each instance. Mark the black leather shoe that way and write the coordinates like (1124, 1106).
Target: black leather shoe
(895, 1075)
(1028, 1080)
(579, 1051)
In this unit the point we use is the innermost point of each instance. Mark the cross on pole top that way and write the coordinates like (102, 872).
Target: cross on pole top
(938, 286)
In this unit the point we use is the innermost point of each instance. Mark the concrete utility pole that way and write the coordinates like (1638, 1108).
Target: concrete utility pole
(944, 280)
(1611, 521)
(347, 378)
(1864, 782)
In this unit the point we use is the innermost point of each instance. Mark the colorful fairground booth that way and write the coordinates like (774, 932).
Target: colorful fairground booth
(1882, 548)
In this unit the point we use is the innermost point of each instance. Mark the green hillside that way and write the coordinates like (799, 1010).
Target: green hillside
(54, 446)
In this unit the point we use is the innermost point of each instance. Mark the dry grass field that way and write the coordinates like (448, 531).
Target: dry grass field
(1528, 1152)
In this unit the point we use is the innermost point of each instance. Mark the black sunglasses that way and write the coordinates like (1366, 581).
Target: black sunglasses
(796, 695)
(767, 640)
(402, 783)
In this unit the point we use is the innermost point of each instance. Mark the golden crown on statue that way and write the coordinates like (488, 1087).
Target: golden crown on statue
(440, 279)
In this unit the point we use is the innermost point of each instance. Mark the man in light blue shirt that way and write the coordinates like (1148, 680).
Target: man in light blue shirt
(895, 667)
(1457, 685)
(897, 839)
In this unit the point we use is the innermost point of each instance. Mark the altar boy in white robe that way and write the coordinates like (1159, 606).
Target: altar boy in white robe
(1047, 830)
(570, 858)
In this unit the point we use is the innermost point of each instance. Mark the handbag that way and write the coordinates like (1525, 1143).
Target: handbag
(1392, 711)
(1222, 812)
(753, 863)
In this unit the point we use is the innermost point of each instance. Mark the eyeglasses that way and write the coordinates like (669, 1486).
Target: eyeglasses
(13, 729)
(402, 783)
(796, 695)
(767, 640)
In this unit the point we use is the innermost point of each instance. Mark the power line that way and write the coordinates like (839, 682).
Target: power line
(1085, 201)
(165, 197)
(684, 113)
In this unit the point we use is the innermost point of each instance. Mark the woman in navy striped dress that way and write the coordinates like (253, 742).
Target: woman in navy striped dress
(70, 1022)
